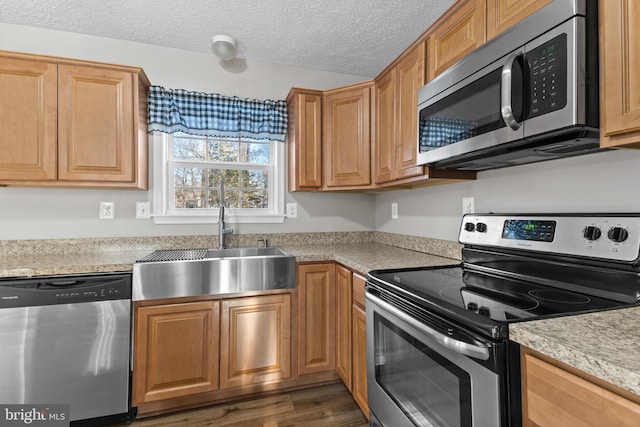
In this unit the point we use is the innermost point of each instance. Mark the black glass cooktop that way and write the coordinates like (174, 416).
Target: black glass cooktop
(481, 295)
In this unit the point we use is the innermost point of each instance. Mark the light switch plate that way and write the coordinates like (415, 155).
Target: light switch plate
(394, 211)
(292, 210)
(142, 210)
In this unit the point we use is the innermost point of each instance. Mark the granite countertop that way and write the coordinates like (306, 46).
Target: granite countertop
(604, 344)
(364, 257)
(27, 265)
(361, 257)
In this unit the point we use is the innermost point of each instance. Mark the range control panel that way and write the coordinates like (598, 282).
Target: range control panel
(611, 237)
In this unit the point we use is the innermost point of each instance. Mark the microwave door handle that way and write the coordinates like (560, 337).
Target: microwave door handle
(506, 109)
(475, 351)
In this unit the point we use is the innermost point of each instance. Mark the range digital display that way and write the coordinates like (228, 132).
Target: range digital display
(522, 229)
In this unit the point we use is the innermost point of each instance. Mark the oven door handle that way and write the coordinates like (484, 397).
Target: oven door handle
(480, 352)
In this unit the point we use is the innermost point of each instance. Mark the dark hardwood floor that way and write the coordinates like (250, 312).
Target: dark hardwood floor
(330, 405)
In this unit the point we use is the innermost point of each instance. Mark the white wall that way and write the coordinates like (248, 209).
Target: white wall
(603, 182)
(32, 213)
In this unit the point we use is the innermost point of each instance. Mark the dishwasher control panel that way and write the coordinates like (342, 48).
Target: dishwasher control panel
(50, 290)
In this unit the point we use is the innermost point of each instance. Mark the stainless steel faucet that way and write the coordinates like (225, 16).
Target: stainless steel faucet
(222, 230)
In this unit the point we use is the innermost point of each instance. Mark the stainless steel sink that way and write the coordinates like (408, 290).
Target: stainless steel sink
(183, 273)
(272, 251)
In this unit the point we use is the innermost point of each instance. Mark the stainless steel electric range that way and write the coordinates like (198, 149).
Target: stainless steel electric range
(438, 349)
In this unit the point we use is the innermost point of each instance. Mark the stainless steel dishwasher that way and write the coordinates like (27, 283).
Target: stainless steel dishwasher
(66, 340)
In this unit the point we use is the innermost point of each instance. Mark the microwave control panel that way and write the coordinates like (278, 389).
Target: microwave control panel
(548, 78)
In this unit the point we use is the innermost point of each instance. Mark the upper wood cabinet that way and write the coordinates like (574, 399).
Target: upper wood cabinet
(347, 137)
(395, 124)
(502, 14)
(316, 318)
(459, 31)
(619, 73)
(70, 123)
(305, 139)
(28, 130)
(175, 350)
(553, 395)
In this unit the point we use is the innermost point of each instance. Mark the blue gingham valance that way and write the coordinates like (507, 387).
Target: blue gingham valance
(205, 114)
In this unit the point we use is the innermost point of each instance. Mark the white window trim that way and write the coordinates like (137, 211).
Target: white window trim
(163, 214)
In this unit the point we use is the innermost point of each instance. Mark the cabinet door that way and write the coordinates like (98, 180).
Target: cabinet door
(459, 32)
(255, 335)
(347, 137)
(305, 139)
(360, 360)
(28, 117)
(343, 324)
(385, 126)
(316, 318)
(502, 14)
(410, 77)
(176, 350)
(552, 396)
(619, 73)
(96, 135)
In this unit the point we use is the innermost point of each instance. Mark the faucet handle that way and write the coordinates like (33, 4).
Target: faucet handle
(263, 243)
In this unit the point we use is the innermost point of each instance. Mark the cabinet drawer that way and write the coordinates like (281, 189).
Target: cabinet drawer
(358, 289)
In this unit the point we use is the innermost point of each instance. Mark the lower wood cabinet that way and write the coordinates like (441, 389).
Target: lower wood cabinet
(316, 318)
(359, 345)
(556, 395)
(255, 344)
(176, 350)
(351, 362)
(191, 348)
(192, 352)
(343, 325)
(359, 389)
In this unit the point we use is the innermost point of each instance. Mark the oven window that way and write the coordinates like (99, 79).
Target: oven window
(429, 389)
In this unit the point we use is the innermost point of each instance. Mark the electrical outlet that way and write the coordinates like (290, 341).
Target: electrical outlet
(142, 210)
(292, 210)
(468, 205)
(107, 210)
(394, 211)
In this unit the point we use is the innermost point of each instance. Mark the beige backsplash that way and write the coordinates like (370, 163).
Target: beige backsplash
(438, 247)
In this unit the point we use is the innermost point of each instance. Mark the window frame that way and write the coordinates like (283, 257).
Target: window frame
(162, 197)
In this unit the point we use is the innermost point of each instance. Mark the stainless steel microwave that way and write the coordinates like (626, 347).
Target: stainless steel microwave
(530, 94)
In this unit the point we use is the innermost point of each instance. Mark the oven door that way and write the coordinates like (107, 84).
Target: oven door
(421, 374)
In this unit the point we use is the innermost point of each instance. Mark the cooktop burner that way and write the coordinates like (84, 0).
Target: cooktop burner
(557, 295)
(502, 299)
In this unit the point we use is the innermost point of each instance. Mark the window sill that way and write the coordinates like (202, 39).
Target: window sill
(210, 219)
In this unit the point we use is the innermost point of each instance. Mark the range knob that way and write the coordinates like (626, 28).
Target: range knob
(617, 234)
(591, 233)
(468, 226)
(484, 311)
(481, 227)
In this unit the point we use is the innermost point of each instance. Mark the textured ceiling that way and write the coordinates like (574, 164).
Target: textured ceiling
(356, 37)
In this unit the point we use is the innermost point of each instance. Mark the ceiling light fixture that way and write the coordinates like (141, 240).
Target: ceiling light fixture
(224, 47)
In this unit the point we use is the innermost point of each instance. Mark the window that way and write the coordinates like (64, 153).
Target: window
(187, 171)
